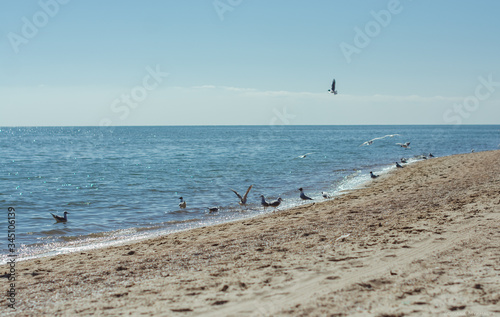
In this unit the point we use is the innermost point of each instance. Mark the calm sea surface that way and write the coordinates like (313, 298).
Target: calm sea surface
(124, 183)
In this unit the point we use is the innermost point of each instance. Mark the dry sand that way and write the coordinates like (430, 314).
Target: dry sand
(423, 241)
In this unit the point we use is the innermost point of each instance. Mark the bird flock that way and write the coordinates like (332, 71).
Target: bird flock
(276, 203)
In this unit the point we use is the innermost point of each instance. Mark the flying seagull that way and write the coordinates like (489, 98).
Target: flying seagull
(405, 145)
(379, 138)
(303, 196)
(182, 204)
(333, 91)
(243, 200)
(61, 219)
(304, 155)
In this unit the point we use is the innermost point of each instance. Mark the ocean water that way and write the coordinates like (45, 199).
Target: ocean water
(124, 183)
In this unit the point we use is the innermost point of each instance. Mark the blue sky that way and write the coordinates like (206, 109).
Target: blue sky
(73, 62)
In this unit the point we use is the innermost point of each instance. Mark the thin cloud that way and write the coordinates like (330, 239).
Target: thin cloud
(324, 95)
(252, 91)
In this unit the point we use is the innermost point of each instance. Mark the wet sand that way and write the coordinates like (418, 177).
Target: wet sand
(423, 240)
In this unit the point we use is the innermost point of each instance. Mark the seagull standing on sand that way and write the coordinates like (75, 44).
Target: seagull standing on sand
(373, 175)
(303, 196)
(370, 142)
(276, 203)
(325, 195)
(243, 200)
(182, 204)
(61, 219)
(399, 165)
(263, 202)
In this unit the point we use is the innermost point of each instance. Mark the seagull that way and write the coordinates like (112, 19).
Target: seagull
(325, 195)
(243, 200)
(182, 204)
(404, 160)
(398, 165)
(370, 142)
(303, 196)
(431, 155)
(405, 145)
(303, 155)
(373, 175)
(276, 203)
(212, 209)
(342, 237)
(61, 219)
(333, 91)
(263, 202)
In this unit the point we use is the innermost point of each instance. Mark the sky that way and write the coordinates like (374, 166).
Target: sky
(242, 62)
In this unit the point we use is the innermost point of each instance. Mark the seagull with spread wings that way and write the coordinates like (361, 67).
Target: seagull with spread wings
(243, 200)
(304, 155)
(369, 142)
(332, 90)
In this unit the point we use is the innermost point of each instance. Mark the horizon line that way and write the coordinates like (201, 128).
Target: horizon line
(245, 125)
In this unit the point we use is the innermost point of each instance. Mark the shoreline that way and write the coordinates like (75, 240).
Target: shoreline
(299, 261)
(84, 244)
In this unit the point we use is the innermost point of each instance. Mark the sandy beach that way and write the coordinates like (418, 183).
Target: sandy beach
(423, 240)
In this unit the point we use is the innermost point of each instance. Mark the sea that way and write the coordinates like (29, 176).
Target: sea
(122, 184)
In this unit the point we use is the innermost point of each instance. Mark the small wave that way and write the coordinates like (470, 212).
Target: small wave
(155, 190)
(178, 211)
(343, 170)
(176, 222)
(113, 234)
(78, 203)
(53, 232)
